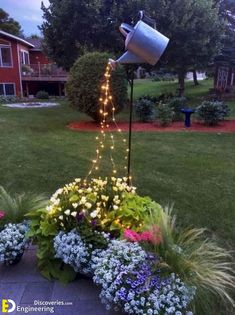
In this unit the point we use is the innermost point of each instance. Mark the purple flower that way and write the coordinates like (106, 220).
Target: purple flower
(80, 217)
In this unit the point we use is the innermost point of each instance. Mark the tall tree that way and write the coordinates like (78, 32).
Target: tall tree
(227, 14)
(195, 32)
(8, 24)
(72, 27)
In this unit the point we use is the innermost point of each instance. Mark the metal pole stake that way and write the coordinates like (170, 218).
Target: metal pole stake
(131, 82)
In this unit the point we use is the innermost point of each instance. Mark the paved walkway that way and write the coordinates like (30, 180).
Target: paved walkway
(23, 284)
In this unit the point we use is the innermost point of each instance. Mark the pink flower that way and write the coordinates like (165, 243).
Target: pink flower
(146, 236)
(2, 214)
(156, 236)
(131, 235)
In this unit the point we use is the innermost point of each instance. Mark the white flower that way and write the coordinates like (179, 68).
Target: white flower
(75, 205)
(61, 217)
(74, 213)
(67, 212)
(49, 208)
(94, 214)
(57, 202)
(115, 207)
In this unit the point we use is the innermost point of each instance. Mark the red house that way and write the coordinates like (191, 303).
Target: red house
(25, 69)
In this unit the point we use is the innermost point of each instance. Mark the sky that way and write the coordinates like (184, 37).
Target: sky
(27, 12)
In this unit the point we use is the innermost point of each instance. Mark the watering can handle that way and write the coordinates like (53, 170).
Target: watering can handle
(124, 28)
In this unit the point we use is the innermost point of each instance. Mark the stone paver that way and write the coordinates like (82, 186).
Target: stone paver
(23, 284)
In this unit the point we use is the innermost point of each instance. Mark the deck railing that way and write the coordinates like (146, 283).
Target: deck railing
(42, 70)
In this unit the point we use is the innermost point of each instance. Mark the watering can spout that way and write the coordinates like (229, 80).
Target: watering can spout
(127, 58)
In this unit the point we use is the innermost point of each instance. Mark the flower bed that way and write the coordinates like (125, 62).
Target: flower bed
(130, 246)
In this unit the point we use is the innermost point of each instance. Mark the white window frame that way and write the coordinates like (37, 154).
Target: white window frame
(1, 63)
(25, 52)
(4, 88)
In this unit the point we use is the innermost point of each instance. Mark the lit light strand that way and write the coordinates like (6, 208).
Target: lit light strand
(107, 106)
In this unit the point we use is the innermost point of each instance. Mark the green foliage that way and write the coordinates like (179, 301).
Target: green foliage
(8, 24)
(212, 112)
(43, 95)
(42, 231)
(85, 80)
(90, 236)
(145, 109)
(8, 99)
(199, 261)
(176, 104)
(195, 31)
(90, 26)
(131, 213)
(17, 205)
(164, 114)
(164, 77)
(150, 98)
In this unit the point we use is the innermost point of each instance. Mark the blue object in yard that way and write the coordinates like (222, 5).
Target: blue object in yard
(187, 112)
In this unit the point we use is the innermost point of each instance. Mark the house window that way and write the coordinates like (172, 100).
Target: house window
(7, 89)
(24, 57)
(5, 56)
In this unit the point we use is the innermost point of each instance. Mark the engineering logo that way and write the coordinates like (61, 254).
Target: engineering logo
(8, 306)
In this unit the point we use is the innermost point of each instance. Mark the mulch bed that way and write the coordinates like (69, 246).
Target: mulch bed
(227, 126)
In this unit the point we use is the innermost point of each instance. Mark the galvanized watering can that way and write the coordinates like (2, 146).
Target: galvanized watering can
(144, 44)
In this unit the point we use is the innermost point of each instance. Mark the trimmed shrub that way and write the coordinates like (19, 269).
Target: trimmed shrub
(164, 77)
(164, 97)
(164, 114)
(176, 104)
(145, 109)
(149, 98)
(83, 86)
(42, 95)
(212, 112)
(9, 99)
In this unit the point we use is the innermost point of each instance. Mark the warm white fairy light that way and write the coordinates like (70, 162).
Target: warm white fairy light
(106, 102)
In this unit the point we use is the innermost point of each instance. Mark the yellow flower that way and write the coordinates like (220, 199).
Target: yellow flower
(105, 198)
(83, 200)
(88, 205)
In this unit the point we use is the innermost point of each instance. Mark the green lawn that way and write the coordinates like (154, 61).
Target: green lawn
(196, 171)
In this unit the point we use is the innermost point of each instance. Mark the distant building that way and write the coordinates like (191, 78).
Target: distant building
(224, 79)
(25, 69)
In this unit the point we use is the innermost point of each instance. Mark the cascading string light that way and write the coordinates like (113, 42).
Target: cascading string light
(105, 100)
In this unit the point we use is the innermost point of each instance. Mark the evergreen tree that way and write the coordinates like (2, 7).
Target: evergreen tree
(8, 24)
